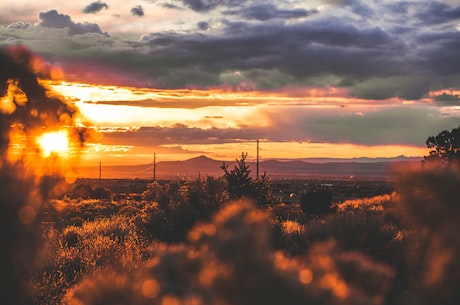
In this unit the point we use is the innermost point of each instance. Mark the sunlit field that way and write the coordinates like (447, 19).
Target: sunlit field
(224, 240)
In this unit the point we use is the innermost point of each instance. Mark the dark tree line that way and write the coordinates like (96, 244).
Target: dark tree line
(445, 147)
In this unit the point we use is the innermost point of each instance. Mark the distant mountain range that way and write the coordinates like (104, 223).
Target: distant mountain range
(297, 168)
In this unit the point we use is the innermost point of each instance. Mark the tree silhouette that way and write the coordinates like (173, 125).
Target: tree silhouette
(445, 147)
(240, 183)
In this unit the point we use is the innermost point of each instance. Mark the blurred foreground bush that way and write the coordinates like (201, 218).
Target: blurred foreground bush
(229, 261)
(430, 202)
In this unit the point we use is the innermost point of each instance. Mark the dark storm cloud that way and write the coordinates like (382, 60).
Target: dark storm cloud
(435, 12)
(137, 11)
(442, 54)
(357, 6)
(208, 5)
(264, 12)
(301, 50)
(52, 19)
(203, 25)
(95, 7)
(395, 55)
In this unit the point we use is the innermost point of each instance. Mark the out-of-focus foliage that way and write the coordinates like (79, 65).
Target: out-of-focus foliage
(19, 233)
(430, 203)
(229, 261)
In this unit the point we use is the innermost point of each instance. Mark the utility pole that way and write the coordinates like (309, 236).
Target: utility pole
(154, 167)
(100, 173)
(257, 163)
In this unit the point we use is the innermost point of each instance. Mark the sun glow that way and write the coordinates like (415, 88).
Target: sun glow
(56, 142)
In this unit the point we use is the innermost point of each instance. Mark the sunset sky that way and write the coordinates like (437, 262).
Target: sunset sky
(182, 78)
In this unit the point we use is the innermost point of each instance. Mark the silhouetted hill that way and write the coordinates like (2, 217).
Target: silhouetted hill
(205, 166)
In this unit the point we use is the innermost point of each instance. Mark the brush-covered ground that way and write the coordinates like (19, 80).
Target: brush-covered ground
(191, 244)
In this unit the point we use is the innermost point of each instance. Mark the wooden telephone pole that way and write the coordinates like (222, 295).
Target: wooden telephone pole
(257, 163)
(154, 167)
(100, 173)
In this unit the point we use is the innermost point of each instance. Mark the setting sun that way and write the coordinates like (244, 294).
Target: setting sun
(56, 142)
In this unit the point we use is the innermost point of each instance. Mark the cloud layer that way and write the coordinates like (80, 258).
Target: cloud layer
(379, 51)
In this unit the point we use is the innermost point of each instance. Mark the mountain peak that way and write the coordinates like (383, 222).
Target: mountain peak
(201, 158)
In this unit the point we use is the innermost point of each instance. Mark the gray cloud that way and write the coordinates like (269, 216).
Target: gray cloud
(203, 25)
(369, 60)
(268, 11)
(435, 12)
(409, 87)
(357, 6)
(171, 6)
(52, 19)
(301, 50)
(395, 55)
(207, 5)
(137, 11)
(95, 7)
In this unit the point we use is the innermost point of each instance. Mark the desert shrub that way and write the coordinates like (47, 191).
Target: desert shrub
(153, 192)
(287, 212)
(361, 230)
(288, 236)
(230, 261)
(128, 211)
(169, 223)
(82, 191)
(202, 195)
(80, 251)
(164, 194)
(379, 202)
(101, 193)
(316, 201)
